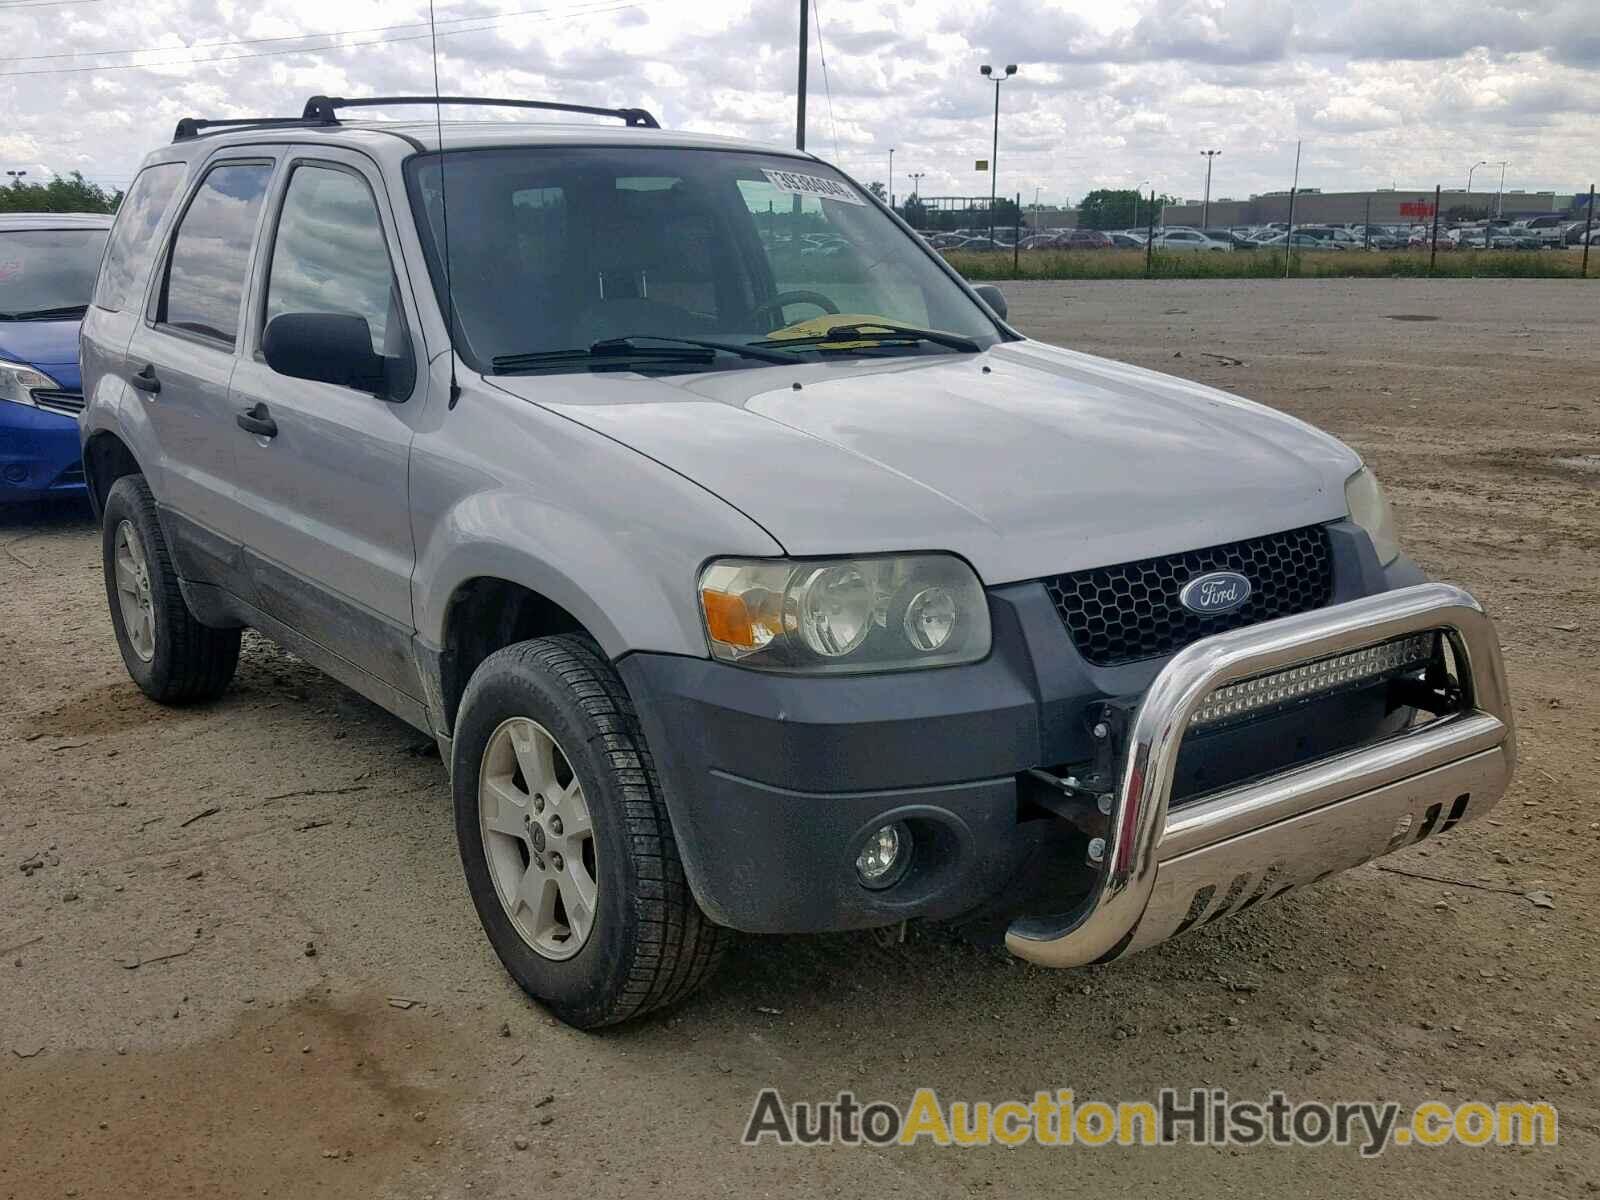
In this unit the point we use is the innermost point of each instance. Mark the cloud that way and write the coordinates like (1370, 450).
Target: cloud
(1110, 91)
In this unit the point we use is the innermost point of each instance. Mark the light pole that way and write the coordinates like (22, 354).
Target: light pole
(1138, 190)
(988, 72)
(1499, 197)
(916, 195)
(891, 176)
(16, 177)
(1470, 170)
(1205, 207)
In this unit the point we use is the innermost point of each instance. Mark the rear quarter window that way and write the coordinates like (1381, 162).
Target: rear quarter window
(133, 238)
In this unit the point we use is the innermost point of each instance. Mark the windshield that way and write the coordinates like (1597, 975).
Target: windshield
(556, 249)
(45, 270)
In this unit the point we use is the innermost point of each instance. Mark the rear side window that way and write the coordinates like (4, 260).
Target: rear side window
(211, 252)
(141, 213)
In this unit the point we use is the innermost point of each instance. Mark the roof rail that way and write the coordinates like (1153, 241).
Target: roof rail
(193, 127)
(324, 109)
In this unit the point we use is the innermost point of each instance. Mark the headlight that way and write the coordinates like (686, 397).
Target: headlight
(17, 381)
(1370, 509)
(837, 616)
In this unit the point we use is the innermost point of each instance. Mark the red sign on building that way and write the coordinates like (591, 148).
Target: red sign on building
(1416, 208)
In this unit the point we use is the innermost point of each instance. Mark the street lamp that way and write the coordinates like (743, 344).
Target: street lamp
(1470, 170)
(1205, 208)
(994, 154)
(1499, 197)
(1138, 190)
(891, 176)
(16, 177)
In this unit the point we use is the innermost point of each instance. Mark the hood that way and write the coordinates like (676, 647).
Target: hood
(1026, 460)
(51, 346)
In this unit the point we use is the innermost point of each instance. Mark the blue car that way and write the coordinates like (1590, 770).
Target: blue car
(48, 263)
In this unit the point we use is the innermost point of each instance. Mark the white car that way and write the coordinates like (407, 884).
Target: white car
(1188, 239)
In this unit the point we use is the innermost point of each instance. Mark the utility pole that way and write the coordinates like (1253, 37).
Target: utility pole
(800, 106)
(1588, 227)
(1205, 208)
(994, 154)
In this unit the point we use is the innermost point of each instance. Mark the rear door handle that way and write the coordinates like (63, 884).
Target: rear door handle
(256, 420)
(145, 379)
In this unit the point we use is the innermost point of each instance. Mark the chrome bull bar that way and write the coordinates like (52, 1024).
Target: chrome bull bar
(1162, 874)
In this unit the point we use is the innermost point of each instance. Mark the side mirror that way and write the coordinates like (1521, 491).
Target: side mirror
(326, 347)
(992, 296)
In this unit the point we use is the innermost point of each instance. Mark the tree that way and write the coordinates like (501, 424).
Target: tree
(877, 189)
(1117, 208)
(915, 212)
(63, 194)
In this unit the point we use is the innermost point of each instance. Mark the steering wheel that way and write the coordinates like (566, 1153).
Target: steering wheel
(774, 308)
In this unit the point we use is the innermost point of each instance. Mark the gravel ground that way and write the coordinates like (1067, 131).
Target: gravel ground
(248, 964)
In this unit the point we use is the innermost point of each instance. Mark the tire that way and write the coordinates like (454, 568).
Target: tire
(647, 944)
(174, 658)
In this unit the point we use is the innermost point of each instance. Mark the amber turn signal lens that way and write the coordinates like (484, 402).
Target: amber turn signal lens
(727, 619)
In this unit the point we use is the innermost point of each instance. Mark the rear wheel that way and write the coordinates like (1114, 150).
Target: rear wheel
(565, 839)
(171, 656)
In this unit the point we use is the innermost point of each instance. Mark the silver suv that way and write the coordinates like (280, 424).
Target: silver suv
(749, 569)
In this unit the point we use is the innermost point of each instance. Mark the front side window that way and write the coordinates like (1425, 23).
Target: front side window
(138, 218)
(211, 252)
(47, 273)
(553, 249)
(330, 255)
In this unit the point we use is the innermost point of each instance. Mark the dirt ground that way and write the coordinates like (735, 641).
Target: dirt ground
(249, 965)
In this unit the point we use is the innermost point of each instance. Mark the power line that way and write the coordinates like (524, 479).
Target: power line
(413, 37)
(287, 37)
(42, 3)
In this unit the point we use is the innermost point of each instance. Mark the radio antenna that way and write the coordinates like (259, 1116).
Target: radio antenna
(444, 215)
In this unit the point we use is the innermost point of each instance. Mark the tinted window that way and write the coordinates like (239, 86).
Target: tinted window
(43, 270)
(133, 237)
(330, 255)
(211, 251)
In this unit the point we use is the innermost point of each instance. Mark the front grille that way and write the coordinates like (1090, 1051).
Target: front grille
(1131, 611)
(68, 404)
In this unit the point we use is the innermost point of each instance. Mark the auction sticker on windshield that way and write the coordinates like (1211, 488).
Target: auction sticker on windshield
(811, 185)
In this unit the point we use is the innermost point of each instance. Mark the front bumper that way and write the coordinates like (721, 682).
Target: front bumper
(774, 782)
(1165, 873)
(39, 454)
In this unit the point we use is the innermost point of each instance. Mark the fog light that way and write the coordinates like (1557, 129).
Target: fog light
(885, 856)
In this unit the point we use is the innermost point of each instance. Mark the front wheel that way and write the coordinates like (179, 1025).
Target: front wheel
(565, 839)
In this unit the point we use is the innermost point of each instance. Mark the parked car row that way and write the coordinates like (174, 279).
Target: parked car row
(1545, 232)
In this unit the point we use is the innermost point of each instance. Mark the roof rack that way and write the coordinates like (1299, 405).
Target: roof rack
(325, 108)
(322, 111)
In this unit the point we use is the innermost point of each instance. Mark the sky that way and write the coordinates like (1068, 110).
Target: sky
(1109, 93)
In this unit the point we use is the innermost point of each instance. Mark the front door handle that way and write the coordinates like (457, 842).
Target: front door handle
(145, 379)
(256, 420)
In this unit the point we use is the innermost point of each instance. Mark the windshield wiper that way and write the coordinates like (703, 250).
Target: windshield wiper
(61, 313)
(880, 332)
(620, 352)
(743, 351)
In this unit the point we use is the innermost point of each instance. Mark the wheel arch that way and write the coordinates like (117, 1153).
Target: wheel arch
(106, 459)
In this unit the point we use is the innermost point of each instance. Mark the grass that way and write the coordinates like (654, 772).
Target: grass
(1257, 264)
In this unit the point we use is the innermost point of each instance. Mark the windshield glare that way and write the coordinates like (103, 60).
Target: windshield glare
(555, 248)
(48, 268)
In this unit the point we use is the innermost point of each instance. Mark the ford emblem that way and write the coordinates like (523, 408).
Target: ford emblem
(1215, 592)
